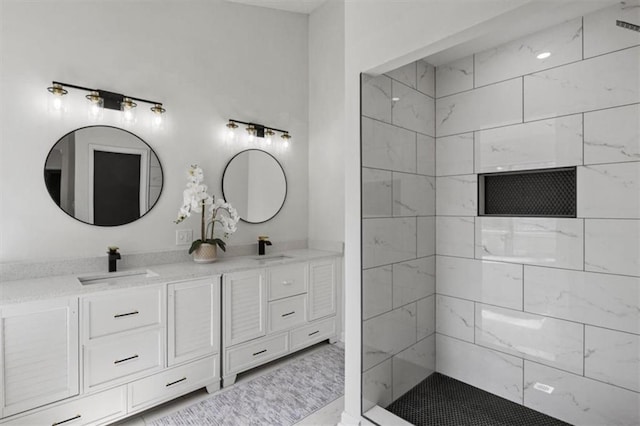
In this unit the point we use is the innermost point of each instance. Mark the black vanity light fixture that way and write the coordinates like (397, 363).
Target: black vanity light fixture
(100, 99)
(257, 131)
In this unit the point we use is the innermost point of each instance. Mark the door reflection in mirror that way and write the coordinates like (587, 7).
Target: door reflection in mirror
(103, 175)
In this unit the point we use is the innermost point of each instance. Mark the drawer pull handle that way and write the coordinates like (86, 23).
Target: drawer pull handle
(315, 332)
(118, 361)
(176, 382)
(126, 315)
(287, 282)
(288, 313)
(76, 417)
(261, 352)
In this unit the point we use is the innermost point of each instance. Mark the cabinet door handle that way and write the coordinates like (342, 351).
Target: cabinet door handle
(315, 332)
(76, 417)
(260, 352)
(288, 313)
(176, 382)
(287, 282)
(118, 361)
(126, 315)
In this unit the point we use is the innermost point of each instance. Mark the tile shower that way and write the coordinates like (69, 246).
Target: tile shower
(515, 306)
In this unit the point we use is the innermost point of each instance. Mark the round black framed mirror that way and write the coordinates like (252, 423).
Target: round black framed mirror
(103, 175)
(255, 184)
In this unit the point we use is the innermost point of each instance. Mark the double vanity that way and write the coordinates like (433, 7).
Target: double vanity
(93, 349)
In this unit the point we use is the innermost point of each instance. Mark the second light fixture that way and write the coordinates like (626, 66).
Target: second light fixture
(257, 131)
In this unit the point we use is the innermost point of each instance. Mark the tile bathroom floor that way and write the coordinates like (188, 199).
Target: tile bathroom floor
(327, 415)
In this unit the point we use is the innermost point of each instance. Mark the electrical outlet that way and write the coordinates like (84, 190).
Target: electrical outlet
(184, 237)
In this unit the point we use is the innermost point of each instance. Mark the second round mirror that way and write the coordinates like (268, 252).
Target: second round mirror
(255, 184)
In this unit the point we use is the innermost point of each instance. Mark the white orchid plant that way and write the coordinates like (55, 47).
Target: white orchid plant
(197, 200)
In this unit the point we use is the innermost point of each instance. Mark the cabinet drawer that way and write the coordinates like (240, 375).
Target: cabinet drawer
(287, 280)
(287, 313)
(97, 408)
(108, 314)
(255, 353)
(112, 359)
(162, 386)
(313, 333)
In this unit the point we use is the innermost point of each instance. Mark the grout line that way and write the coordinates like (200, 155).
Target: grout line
(415, 89)
(613, 51)
(396, 126)
(582, 34)
(398, 262)
(473, 70)
(583, 161)
(535, 120)
(584, 349)
(523, 291)
(474, 322)
(523, 382)
(391, 103)
(584, 245)
(541, 266)
(523, 115)
(635, 393)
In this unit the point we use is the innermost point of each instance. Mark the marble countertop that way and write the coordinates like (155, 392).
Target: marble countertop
(68, 285)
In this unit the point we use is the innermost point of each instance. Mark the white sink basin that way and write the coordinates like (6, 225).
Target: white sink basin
(274, 258)
(117, 277)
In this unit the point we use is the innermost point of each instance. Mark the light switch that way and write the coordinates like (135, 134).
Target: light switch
(184, 237)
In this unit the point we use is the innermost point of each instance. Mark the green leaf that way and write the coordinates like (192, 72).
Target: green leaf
(195, 245)
(221, 244)
(217, 241)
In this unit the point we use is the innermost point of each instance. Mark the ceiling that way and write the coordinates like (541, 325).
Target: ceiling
(297, 6)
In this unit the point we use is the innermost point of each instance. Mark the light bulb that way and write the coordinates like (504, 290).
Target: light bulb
(128, 111)
(544, 55)
(96, 105)
(251, 129)
(157, 118)
(268, 137)
(156, 121)
(56, 102)
(286, 137)
(231, 132)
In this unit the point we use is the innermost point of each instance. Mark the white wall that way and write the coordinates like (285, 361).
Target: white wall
(206, 60)
(326, 125)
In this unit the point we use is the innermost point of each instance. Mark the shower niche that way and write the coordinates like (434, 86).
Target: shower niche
(530, 193)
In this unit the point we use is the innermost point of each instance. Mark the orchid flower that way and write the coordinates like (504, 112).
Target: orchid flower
(195, 198)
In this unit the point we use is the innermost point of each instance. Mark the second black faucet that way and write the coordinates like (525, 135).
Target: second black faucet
(262, 242)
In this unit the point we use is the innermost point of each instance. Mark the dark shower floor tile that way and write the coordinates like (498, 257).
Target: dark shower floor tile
(442, 401)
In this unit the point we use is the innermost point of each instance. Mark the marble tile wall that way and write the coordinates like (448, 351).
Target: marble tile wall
(398, 231)
(544, 311)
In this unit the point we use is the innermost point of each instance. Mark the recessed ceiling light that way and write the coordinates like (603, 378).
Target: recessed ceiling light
(395, 99)
(544, 55)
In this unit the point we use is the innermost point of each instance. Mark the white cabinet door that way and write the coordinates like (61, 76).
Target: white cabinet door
(322, 288)
(39, 353)
(194, 319)
(245, 304)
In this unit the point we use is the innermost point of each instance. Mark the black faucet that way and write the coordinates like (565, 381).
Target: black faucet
(113, 256)
(262, 242)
